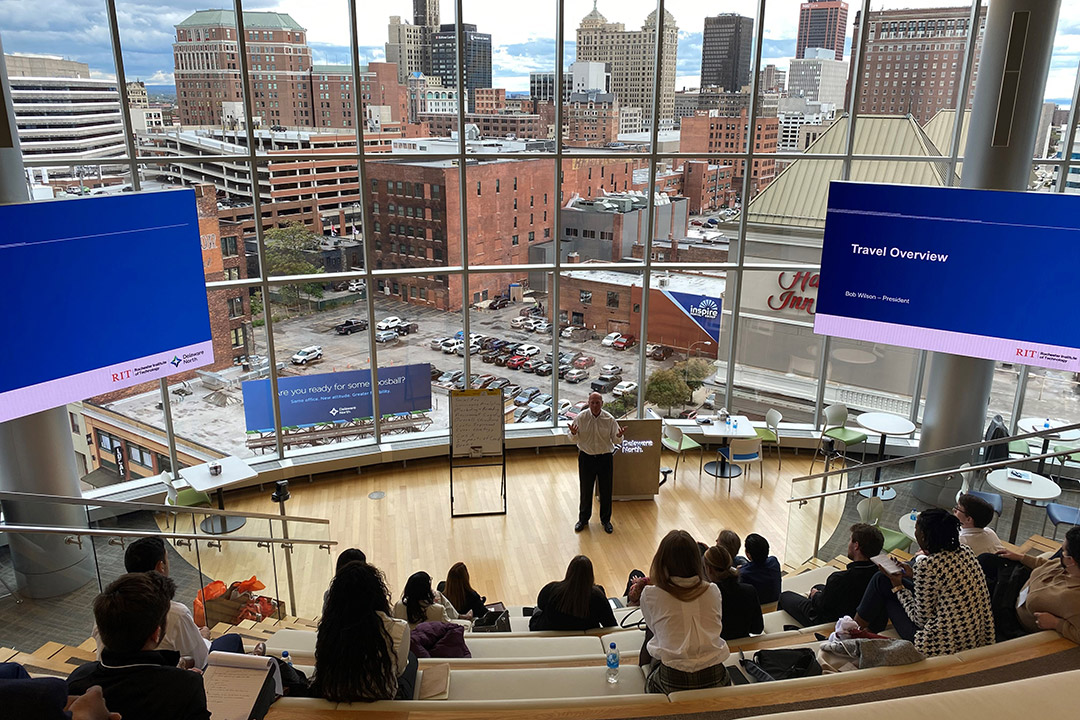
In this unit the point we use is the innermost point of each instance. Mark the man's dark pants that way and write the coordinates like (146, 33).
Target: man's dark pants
(591, 469)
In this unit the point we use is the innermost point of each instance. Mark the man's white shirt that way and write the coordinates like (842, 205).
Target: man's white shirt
(597, 434)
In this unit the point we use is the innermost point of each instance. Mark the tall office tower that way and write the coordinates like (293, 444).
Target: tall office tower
(818, 79)
(62, 113)
(913, 61)
(542, 85)
(822, 24)
(476, 54)
(725, 51)
(586, 76)
(630, 55)
(772, 79)
(409, 46)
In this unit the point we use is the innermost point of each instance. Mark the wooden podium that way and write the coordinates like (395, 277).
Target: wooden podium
(636, 474)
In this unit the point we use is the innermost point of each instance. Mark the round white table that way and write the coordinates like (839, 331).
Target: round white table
(884, 424)
(1034, 487)
(854, 356)
(1031, 424)
(907, 525)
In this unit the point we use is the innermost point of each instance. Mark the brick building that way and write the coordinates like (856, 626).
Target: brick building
(504, 125)
(490, 101)
(592, 119)
(707, 186)
(713, 133)
(913, 61)
(287, 88)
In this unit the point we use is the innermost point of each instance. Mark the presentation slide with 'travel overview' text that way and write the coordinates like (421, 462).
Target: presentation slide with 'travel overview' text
(981, 273)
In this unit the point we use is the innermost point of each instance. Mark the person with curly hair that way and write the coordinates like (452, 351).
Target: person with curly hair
(361, 652)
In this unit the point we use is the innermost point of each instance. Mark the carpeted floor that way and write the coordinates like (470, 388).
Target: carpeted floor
(1058, 662)
(28, 625)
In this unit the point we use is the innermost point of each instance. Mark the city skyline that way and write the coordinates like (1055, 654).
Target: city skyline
(522, 42)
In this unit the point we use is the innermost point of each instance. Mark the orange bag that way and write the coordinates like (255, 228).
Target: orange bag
(252, 585)
(214, 590)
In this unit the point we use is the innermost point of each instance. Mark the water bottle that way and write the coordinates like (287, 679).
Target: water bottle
(285, 658)
(914, 515)
(1046, 425)
(735, 424)
(612, 664)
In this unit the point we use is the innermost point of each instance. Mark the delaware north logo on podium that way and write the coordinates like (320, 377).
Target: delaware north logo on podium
(703, 310)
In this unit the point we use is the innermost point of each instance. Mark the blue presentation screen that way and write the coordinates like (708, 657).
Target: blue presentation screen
(100, 293)
(337, 397)
(982, 273)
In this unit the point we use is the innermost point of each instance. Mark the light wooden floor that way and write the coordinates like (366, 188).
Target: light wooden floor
(510, 557)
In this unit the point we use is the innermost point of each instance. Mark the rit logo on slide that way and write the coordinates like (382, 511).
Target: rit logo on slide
(1021, 352)
(125, 375)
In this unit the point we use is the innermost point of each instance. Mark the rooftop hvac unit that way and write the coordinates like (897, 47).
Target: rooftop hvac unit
(663, 281)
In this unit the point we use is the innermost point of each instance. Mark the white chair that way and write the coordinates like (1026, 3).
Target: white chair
(835, 430)
(771, 432)
(870, 510)
(182, 497)
(743, 452)
(967, 477)
(676, 441)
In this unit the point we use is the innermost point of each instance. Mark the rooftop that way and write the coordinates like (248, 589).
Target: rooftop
(252, 19)
(693, 283)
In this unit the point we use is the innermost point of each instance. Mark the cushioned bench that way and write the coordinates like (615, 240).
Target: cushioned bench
(802, 582)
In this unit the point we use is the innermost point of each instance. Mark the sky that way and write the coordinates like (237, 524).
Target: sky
(523, 37)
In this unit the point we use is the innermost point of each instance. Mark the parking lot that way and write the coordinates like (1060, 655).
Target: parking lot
(345, 352)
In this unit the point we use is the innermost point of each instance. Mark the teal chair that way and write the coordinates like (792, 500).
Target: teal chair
(675, 440)
(771, 432)
(182, 497)
(834, 429)
(870, 510)
(1071, 457)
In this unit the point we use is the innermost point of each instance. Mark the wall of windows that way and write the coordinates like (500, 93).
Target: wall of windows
(549, 250)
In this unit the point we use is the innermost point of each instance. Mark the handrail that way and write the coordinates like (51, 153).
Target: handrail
(98, 532)
(946, 451)
(70, 500)
(937, 473)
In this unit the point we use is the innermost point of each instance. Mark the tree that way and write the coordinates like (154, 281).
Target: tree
(694, 371)
(288, 251)
(666, 388)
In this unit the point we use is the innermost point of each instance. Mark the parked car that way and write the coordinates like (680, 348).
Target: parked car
(406, 328)
(624, 342)
(498, 384)
(525, 396)
(511, 347)
(585, 361)
(531, 364)
(382, 336)
(564, 368)
(610, 339)
(511, 391)
(482, 381)
(357, 286)
(489, 343)
(577, 375)
(473, 348)
(437, 343)
(436, 373)
(489, 356)
(576, 409)
(499, 303)
(521, 321)
(306, 355)
(516, 362)
(503, 359)
(449, 377)
(543, 326)
(537, 413)
(350, 326)
(569, 356)
(450, 346)
(520, 412)
(388, 323)
(661, 352)
(610, 369)
(545, 369)
(565, 405)
(528, 350)
(605, 383)
(544, 399)
(626, 387)
(568, 331)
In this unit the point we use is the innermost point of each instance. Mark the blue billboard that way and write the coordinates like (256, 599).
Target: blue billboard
(970, 272)
(705, 311)
(337, 397)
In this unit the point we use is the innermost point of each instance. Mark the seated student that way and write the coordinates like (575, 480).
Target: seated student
(347, 556)
(742, 610)
(181, 633)
(974, 515)
(574, 603)
(945, 609)
(361, 653)
(842, 591)
(47, 698)
(731, 542)
(1050, 598)
(459, 591)
(137, 678)
(684, 647)
(419, 603)
(762, 570)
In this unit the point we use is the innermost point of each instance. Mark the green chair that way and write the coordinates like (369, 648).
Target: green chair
(834, 429)
(1071, 457)
(870, 510)
(771, 432)
(675, 440)
(183, 497)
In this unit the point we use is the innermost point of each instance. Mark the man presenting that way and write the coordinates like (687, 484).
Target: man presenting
(595, 432)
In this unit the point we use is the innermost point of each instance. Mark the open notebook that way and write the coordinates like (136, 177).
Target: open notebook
(233, 683)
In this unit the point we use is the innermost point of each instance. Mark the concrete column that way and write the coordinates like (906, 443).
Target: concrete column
(1017, 45)
(36, 452)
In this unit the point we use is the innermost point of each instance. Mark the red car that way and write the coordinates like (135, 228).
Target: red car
(516, 362)
(624, 342)
(585, 361)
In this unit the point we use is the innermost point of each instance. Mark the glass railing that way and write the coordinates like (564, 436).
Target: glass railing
(291, 557)
(824, 505)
